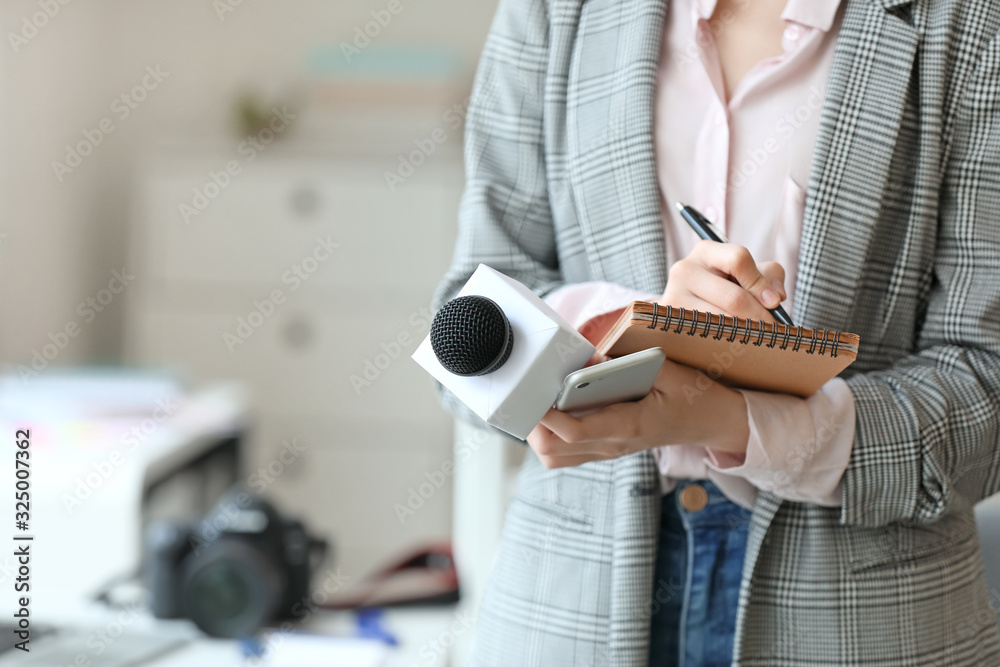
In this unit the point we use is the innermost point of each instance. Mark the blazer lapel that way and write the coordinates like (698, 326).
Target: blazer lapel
(869, 81)
(610, 150)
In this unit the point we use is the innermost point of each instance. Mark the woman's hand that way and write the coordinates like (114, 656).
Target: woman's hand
(685, 406)
(704, 281)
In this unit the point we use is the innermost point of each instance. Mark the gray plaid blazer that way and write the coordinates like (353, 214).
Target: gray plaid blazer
(901, 244)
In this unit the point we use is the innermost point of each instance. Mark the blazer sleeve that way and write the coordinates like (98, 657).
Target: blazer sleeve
(504, 218)
(927, 439)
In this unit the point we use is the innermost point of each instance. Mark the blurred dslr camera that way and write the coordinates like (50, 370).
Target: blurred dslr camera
(239, 568)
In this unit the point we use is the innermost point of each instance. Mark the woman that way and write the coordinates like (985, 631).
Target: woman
(855, 146)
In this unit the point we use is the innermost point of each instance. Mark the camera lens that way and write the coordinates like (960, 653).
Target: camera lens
(220, 591)
(230, 589)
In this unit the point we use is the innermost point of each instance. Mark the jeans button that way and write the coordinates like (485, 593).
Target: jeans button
(694, 497)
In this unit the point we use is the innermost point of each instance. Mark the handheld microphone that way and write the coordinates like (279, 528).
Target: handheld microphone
(502, 351)
(471, 336)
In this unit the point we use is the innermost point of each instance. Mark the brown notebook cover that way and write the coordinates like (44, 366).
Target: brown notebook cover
(740, 352)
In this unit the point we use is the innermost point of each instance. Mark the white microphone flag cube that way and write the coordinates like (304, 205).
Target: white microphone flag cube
(546, 349)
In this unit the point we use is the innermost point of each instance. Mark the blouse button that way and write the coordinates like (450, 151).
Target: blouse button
(793, 32)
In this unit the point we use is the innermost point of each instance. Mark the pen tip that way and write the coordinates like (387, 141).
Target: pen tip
(680, 206)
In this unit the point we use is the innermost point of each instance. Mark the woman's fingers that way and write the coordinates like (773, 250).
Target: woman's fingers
(707, 290)
(730, 297)
(549, 445)
(601, 433)
(575, 433)
(729, 259)
(776, 274)
(595, 328)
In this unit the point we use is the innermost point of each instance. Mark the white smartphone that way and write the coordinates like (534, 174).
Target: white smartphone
(627, 378)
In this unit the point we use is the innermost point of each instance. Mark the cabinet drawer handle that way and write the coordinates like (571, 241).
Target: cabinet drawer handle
(298, 333)
(305, 202)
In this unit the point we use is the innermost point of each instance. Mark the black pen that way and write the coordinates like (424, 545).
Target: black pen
(703, 227)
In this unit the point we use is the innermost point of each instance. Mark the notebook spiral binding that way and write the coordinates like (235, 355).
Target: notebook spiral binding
(824, 344)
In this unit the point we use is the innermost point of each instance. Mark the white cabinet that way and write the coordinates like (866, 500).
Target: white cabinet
(276, 214)
(309, 280)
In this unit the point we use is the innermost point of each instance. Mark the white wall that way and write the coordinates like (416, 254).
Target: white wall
(57, 245)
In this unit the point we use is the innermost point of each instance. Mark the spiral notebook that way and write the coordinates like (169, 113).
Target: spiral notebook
(740, 352)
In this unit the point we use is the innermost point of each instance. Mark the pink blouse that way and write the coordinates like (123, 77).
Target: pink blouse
(744, 165)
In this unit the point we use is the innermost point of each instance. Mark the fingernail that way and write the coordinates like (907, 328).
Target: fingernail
(770, 298)
(779, 288)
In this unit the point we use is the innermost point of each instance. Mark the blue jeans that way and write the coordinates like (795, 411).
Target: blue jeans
(696, 586)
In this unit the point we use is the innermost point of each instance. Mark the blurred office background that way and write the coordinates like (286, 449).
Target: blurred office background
(244, 204)
(165, 167)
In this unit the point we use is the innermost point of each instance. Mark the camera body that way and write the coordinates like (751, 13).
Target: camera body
(240, 567)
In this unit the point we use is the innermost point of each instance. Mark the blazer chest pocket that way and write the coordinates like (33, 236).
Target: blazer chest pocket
(874, 550)
(555, 516)
(566, 496)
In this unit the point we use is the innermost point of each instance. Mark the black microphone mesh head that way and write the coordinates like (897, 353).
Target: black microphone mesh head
(471, 335)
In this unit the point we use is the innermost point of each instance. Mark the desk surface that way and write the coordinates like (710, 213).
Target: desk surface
(425, 638)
